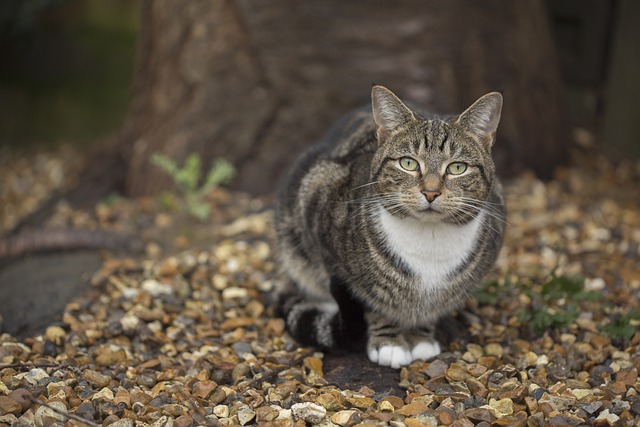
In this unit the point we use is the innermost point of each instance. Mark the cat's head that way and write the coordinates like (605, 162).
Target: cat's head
(434, 169)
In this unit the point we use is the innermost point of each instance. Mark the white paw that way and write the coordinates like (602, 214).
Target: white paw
(425, 350)
(390, 355)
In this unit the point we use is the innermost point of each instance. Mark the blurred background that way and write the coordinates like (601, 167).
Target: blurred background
(125, 79)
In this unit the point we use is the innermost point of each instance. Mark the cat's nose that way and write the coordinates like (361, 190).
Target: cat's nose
(430, 194)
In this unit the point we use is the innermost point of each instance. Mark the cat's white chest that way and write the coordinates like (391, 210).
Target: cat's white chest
(431, 250)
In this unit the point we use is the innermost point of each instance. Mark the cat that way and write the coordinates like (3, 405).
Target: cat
(388, 224)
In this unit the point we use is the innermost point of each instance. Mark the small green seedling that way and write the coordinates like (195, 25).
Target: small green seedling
(188, 177)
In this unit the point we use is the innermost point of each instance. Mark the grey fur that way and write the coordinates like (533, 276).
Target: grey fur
(347, 204)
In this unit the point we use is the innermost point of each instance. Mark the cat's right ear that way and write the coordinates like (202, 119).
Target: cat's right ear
(388, 111)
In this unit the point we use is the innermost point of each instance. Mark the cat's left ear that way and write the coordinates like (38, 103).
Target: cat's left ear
(388, 111)
(482, 118)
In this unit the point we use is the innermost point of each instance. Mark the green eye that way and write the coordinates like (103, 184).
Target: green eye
(409, 164)
(456, 168)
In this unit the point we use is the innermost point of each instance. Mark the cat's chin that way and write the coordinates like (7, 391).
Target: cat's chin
(427, 215)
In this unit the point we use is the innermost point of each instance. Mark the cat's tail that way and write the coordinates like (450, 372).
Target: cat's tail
(329, 326)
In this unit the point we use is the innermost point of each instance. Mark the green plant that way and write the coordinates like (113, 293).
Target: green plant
(622, 326)
(188, 177)
(555, 304)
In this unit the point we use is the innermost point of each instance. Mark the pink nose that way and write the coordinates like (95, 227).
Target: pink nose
(431, 194)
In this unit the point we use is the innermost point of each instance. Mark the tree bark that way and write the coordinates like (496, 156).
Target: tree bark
(256, 84)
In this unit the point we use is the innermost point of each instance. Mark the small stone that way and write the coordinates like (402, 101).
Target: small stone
(241, 370)
(558, 403)
(421, 422)
(221, 411)
(538, 392)
(203, 389)
(9, 406)
(590, 408)
(55, 334)
(476, 387)
(246, 415)
(346, 418)
(479, 415)
(22, 396)
(234, 292)
(109, 355)
(436, 368)
(266, 414)
(412, 409)
(331, 401)
(385, 406)
(566, 419)
(35, 375)
(361, 402)
(380, 416)
(457, 372)
(494, 349)
(396, 401)
(156, 288)
(86, 411)
(446, 416)
(105, 394)
(476, 370)
(174, 410)
(45, 416)
(606, 419)
(9, 420)
(308, 412)
(96, 378)
(147, 379)
(502, 407)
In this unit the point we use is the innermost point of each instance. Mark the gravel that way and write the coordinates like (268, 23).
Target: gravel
(184, 335)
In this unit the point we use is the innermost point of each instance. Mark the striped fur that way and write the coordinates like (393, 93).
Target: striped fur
(373, 258)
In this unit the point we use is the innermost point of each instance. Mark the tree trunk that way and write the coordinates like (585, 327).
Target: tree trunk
(256, 84)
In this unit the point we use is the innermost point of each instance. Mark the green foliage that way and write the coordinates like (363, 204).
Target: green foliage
(555, 304)
(489, 292)
(112, 199)
(622, 326)
(188, 177)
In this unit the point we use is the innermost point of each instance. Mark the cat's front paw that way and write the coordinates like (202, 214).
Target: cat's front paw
(425, 350)
(398, 355)
(391, 355)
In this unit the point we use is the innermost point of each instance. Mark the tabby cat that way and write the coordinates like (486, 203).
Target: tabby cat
(387, 225)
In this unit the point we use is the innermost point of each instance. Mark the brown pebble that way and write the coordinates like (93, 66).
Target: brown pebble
(110, 419)
(203, 389)
(361, 402)
(446, 416)
(22, 396)
(266, 414)
(396, 401)
(9, 406)
(96, 378)
(412, 409)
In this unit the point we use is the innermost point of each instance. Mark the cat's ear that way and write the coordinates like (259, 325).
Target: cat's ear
(388, 111)
(482, 118)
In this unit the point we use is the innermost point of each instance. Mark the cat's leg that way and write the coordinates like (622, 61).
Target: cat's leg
(388, 345)
(335, 324)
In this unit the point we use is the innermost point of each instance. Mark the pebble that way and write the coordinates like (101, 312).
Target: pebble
(246, 415)
(9, 406)
(308, 412)
(35, 375)
(346, 418)
(221, 411)
(48, 417)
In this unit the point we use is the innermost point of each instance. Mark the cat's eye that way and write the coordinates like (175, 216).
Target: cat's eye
(456, 168)
(409, 164)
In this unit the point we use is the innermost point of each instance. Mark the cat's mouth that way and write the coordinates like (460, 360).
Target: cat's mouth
(429, 213)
